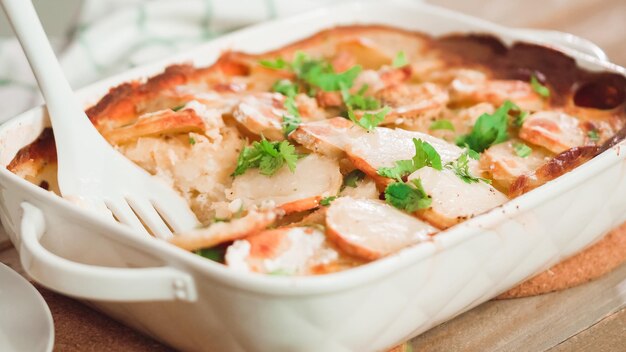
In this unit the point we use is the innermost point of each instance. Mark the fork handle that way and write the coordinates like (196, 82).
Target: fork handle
(62, 104)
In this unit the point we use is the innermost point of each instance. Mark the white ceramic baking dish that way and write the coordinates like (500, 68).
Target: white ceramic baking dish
(194, 304)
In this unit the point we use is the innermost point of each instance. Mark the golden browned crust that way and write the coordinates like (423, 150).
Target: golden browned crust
(166, 122)
(590, 264)
(557, 166)
(33, 157)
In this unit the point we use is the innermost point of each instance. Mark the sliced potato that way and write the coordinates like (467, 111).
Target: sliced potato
(474, 89)
(555, 131)
(371, 229)
(221, 232)
(505, 166)
(419, 102)
(364, 53)
(454, 200)
(314, 178)
(328, 137)
(284, 251)
(156, 123)
(383, 147)
(262, 114)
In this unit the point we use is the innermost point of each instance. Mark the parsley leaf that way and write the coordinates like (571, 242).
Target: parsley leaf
(369, 120)
(290, 123)
(192, 140)
(292, 120)
(352, 178)
(358, 101)
(178, 107)
(317, 73)
(489, 129)
(326, 201)
(520, 119)
(461, 168)
(402, 169)
(441, 125)
(323, 76)
(400, 60)
(425, 155)
(522, 150)
(215, 254)
(276, 64)
(407, 196)
(593, 135)
(285, 87)
(267, 156)
(538, 87)
(290, 105)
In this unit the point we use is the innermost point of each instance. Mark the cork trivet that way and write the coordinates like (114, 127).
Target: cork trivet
(585, 266)
(79, 328)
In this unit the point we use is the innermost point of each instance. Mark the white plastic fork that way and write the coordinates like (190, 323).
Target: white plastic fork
(90, 171)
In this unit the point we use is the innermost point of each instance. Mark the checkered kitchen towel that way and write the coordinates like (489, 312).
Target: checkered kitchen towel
(113, 35)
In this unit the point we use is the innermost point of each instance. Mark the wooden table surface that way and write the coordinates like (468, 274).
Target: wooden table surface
(591, 317)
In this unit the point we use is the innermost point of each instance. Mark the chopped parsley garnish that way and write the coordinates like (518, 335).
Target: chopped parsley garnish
(441, 125)
(323, 76)
(369, 120)
(267, 156)
(285, 87)
(215, 254)
(461, 167)
(352, 178)
(425, 155)
(538, 87)
(489, 129)
(292, 120)
(192, 140)
(290, 123)
(408, 196)
(178, 107)
(326, 201)
(400, 60)
(290, 105)
(358, 101)
(401, 169)
(276, 64)
(522, 150)
(316, 73)
(593, 135)
(519, 120)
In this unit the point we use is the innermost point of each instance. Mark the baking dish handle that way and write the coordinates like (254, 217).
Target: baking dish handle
(567, 40)
(95, 282)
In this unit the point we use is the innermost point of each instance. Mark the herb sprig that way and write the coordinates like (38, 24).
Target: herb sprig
(369, 120)
(351, 179)
(441, 125)
(522, 150)
(489, 129)
(409, 196)
(327, 200)
(400, 60)
(461, 167)
(266, 156)
(425, 155)
(539, 88)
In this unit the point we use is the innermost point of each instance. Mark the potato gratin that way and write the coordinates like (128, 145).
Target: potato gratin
(352, 144)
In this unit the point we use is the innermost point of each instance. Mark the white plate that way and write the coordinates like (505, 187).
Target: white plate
(25, 319)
